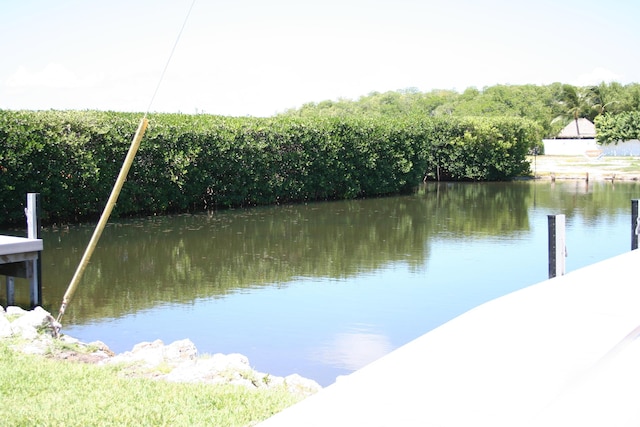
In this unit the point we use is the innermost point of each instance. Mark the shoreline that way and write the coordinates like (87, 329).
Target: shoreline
(584, 168)
(36, 332)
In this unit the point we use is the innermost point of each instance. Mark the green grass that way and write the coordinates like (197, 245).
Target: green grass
(35, 391)
(633, 166)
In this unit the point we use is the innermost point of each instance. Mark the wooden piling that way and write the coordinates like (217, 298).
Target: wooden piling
(635, 224)
(20, 257)
(34, 231)
(557, 245)
(11, 291)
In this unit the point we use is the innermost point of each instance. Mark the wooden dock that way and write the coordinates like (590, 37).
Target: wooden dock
(20, 256)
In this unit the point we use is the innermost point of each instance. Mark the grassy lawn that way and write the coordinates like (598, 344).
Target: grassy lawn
(35, 391)
(629, 166)
(620, 163)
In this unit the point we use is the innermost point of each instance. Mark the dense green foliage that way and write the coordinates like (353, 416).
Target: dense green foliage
(202, 162)
(40, 392)
(551, 106)
(613, 128)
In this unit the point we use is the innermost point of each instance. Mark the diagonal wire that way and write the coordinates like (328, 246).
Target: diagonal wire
(166, 65)
(115, 192)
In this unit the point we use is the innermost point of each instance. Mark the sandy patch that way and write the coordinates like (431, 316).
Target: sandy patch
(583, 167)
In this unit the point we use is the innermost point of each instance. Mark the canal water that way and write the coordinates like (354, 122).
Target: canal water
(322, 289)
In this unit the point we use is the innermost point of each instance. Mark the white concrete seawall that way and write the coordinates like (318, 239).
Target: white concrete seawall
(563, 352)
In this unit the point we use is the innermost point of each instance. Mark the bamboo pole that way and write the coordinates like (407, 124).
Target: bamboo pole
(113, 198)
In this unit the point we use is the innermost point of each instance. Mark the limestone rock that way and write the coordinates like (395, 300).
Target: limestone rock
(16, 311)
(101, 347)
(5, 326)
(176, 362)
(300, 385)
(153, 354)
(33, 323)
(149, 353)
(216, 369)
(39, 345)
(180, 351)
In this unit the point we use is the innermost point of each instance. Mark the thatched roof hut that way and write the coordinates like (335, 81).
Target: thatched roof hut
(582, 128)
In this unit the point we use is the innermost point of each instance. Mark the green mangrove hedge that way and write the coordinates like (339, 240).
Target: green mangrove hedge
(203, 162)
(614, 128)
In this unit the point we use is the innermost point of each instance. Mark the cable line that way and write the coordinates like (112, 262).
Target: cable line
(166, 65)
(115, 191)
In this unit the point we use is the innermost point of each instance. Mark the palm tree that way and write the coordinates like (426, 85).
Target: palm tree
(577, 102)
(602, 95)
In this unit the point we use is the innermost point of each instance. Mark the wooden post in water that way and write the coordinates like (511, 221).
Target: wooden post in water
(25, 263)
(557, 245)
(635, 224)
(11, 291)
(34, 232)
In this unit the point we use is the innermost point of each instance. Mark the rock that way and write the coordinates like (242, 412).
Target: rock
(300, 385)
(33, 323)
(5, 326)
(180, 351)
(16, 311)
(41, 345)
(153, 354)
(233, 361)
(149, 353)
(216, 369)
(69, 340)
(101, 347)
(176, 362)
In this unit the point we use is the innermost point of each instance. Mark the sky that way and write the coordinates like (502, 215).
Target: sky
(262, 57)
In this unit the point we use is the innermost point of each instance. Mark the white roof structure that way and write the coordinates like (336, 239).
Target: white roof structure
(584, 129)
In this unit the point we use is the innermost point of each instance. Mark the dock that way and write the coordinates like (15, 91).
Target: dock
(20, 256)
(563, 352)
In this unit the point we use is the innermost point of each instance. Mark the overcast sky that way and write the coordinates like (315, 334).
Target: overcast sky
(252, 57)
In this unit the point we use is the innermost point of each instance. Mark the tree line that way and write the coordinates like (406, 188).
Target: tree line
(551, 106)
(203, 162)
(382, 143)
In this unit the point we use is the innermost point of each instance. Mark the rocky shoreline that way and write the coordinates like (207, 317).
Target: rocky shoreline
(36, 332)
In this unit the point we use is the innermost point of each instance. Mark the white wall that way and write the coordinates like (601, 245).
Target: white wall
(589, 147)
(627, 148)
(569, 147)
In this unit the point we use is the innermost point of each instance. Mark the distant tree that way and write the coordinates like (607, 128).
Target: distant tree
(551, 106)
(630, 98)
(577, 103)
(606, 97)
(613, 128)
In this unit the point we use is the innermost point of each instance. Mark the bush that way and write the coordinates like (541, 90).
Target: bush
(201, 162)
(614, 128)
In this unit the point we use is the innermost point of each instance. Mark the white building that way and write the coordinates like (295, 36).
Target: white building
(579, 138)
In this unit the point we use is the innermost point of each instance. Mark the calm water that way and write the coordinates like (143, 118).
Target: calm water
(322, 289)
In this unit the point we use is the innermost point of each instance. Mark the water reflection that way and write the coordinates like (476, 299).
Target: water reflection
(286, 284)
(149, 261)
(353, 350)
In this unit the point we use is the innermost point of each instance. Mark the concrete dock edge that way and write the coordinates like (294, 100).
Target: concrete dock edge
(561, 352)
